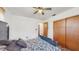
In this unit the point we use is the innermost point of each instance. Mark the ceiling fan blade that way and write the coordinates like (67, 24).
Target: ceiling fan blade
(38, 7)
(53, 14)
(48, 8)
(35, 12)
(35, 7)
(42, 13)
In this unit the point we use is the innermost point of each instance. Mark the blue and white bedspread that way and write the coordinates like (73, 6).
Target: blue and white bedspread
(39, 45)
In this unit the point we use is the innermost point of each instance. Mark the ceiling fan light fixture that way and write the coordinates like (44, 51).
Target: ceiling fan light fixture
(40, 11)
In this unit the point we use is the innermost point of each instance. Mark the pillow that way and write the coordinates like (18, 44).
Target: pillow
(13, 47)
(21, 43)
(49, 40)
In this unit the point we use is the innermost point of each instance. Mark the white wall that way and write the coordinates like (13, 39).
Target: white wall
(41, 28)
(22, 27)
(68, 13)
(50, 29)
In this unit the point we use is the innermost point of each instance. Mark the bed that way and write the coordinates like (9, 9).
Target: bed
(37, 44)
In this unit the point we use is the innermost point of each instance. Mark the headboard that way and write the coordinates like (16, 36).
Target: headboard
(4, 31)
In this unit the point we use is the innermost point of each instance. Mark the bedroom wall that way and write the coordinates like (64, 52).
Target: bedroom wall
(41, 28)
(22, 27)
(68, 13)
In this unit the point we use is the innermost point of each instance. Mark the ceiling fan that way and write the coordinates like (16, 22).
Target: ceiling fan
(40, 10)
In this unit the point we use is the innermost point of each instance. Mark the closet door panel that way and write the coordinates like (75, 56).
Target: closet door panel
(72, 33)
(59, 32)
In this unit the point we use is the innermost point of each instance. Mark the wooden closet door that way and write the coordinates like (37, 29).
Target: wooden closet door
(72, 33)
(45, 29)
(59, 32)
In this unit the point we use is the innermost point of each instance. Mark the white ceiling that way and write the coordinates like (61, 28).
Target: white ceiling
(28, 12)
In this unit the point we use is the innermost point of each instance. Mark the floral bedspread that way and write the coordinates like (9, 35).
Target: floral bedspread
(39, 45)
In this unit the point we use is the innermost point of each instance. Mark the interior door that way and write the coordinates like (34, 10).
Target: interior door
(45, 29)
(72, 33)
(59, 32)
